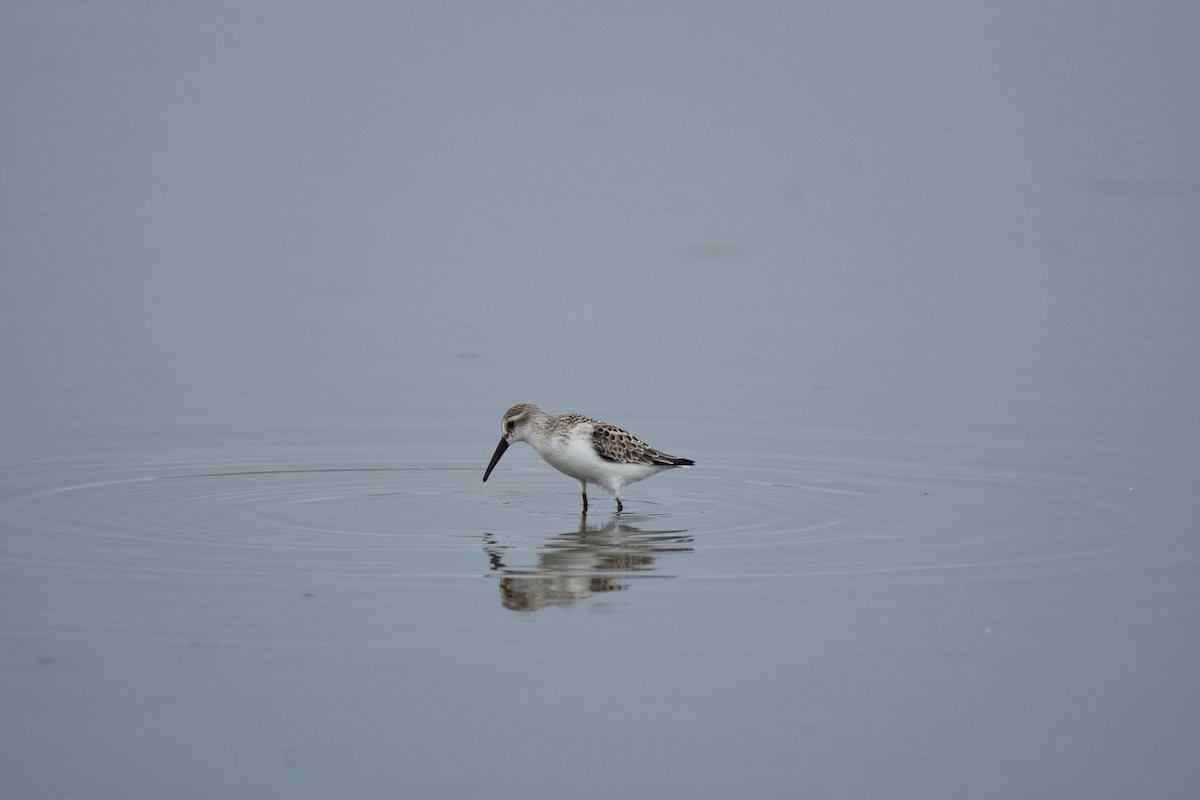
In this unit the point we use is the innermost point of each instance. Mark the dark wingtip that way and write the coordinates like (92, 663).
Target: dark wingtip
(684, 462)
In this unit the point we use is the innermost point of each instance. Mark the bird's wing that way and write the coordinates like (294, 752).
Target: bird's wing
(614, 444)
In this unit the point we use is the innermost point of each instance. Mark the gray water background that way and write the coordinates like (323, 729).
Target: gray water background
(914, 284)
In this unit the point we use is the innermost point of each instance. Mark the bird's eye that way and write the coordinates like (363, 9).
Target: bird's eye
(508, 426)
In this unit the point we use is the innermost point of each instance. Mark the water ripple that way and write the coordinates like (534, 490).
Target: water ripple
(856, 509)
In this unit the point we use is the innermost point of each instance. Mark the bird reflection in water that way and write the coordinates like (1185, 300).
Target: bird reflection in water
(592, 560)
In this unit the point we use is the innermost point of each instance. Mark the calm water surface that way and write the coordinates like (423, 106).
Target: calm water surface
(263, 619)
(914, 284)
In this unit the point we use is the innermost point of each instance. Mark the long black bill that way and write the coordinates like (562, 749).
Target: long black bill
(500, 448)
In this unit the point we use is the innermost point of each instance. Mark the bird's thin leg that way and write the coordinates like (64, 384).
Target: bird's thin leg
(583, 493)
(620, 507)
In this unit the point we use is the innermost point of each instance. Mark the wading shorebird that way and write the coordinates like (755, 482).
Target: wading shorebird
(586, 449)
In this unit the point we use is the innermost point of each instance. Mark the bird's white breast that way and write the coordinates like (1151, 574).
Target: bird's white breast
(572, 453)
(575, 455)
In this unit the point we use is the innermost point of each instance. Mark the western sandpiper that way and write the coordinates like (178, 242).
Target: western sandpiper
(587, 450)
